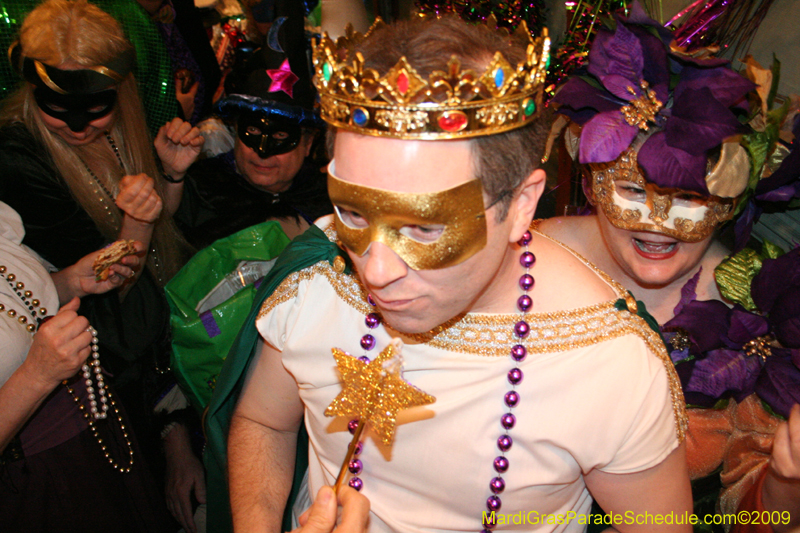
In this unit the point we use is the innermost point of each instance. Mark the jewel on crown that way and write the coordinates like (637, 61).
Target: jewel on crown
(452, 104)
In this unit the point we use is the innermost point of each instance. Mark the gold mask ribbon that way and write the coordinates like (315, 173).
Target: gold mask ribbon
(428, 231)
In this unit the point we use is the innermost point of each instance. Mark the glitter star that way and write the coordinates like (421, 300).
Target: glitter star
(283, 79)
(375, 391)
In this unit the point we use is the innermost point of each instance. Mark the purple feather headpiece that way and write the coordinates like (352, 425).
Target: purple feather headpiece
(635, 84)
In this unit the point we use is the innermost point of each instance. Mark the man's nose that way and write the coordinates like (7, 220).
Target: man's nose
(383, 266)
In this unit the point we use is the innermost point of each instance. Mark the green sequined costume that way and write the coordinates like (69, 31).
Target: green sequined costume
(153, 70)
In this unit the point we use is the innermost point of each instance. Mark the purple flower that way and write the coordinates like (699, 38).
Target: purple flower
(631, 69)
(779, 382)
(744, 326)
(721, 366)
(684, 170)
(776, 292)
(688, 292)
(620, 61)
(744, 225)
(705, 322)
(731, 351)
(721, 374)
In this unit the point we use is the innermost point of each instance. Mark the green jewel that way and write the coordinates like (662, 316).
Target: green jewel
(528, 107)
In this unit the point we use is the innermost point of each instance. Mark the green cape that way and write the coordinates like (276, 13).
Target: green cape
(306, 250)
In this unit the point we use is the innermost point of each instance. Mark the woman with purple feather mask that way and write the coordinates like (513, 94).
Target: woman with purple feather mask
(674, 148)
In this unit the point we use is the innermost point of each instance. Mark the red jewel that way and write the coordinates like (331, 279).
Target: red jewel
(452, 121)
(402, 83)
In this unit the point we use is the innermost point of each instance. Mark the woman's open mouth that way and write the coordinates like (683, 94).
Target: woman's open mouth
(655, 250)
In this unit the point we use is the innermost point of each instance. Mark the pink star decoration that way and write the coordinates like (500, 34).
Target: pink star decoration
(283, 79)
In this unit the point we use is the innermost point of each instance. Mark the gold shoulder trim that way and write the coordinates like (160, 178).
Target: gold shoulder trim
(656, 345)
(491, 335)
(330, 232)
(347, 288)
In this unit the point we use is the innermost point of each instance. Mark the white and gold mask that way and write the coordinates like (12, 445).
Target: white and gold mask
(632, 203)
(428, 231)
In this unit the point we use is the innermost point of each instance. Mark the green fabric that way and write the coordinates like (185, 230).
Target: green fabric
(12, 13)
(154, 70)
(734, 275)
(153, 65)
(197, 357)
(641, 310)
(306, 250)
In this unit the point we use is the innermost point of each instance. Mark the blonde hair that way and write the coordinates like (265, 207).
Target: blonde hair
(78, 33)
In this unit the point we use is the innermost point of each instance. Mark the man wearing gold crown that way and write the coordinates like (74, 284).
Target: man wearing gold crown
(527, 348)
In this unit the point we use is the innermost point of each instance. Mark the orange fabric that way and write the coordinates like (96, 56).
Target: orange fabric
(748, 452)
(752, 502)
(739, 438)
(707, 439)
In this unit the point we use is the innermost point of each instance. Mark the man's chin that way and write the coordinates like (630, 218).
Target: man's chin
(267, 183)
(413, 325)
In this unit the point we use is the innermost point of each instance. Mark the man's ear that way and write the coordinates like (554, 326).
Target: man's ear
(524, 204)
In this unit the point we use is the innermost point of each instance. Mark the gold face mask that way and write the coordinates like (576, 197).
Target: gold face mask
(428, 231)
(632, 203)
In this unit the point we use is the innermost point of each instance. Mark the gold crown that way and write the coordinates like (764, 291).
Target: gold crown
(448, 105)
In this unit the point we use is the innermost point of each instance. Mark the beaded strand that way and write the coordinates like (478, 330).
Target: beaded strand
(372, 321)
(93, 428)
(511, 398)
(96, 411)
(26, 297)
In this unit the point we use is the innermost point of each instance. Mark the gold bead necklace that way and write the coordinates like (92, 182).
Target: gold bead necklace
(96, 411)
(26, 297)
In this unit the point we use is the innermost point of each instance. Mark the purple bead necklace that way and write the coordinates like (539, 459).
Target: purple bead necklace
(518, 353)
(373, 320)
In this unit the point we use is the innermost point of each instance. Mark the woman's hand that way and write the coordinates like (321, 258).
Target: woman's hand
(79, 280)
(781, 490)
(178, 145)
(60, 347)
(57, 352)
(785, 458)
(138, 198)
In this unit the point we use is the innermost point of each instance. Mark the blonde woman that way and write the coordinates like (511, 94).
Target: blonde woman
(78, 166)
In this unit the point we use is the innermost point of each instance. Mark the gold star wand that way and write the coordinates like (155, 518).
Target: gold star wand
(373, 392)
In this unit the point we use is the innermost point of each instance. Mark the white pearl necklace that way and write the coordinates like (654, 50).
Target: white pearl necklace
(92, 365)
(93, 428)
(102, 411)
